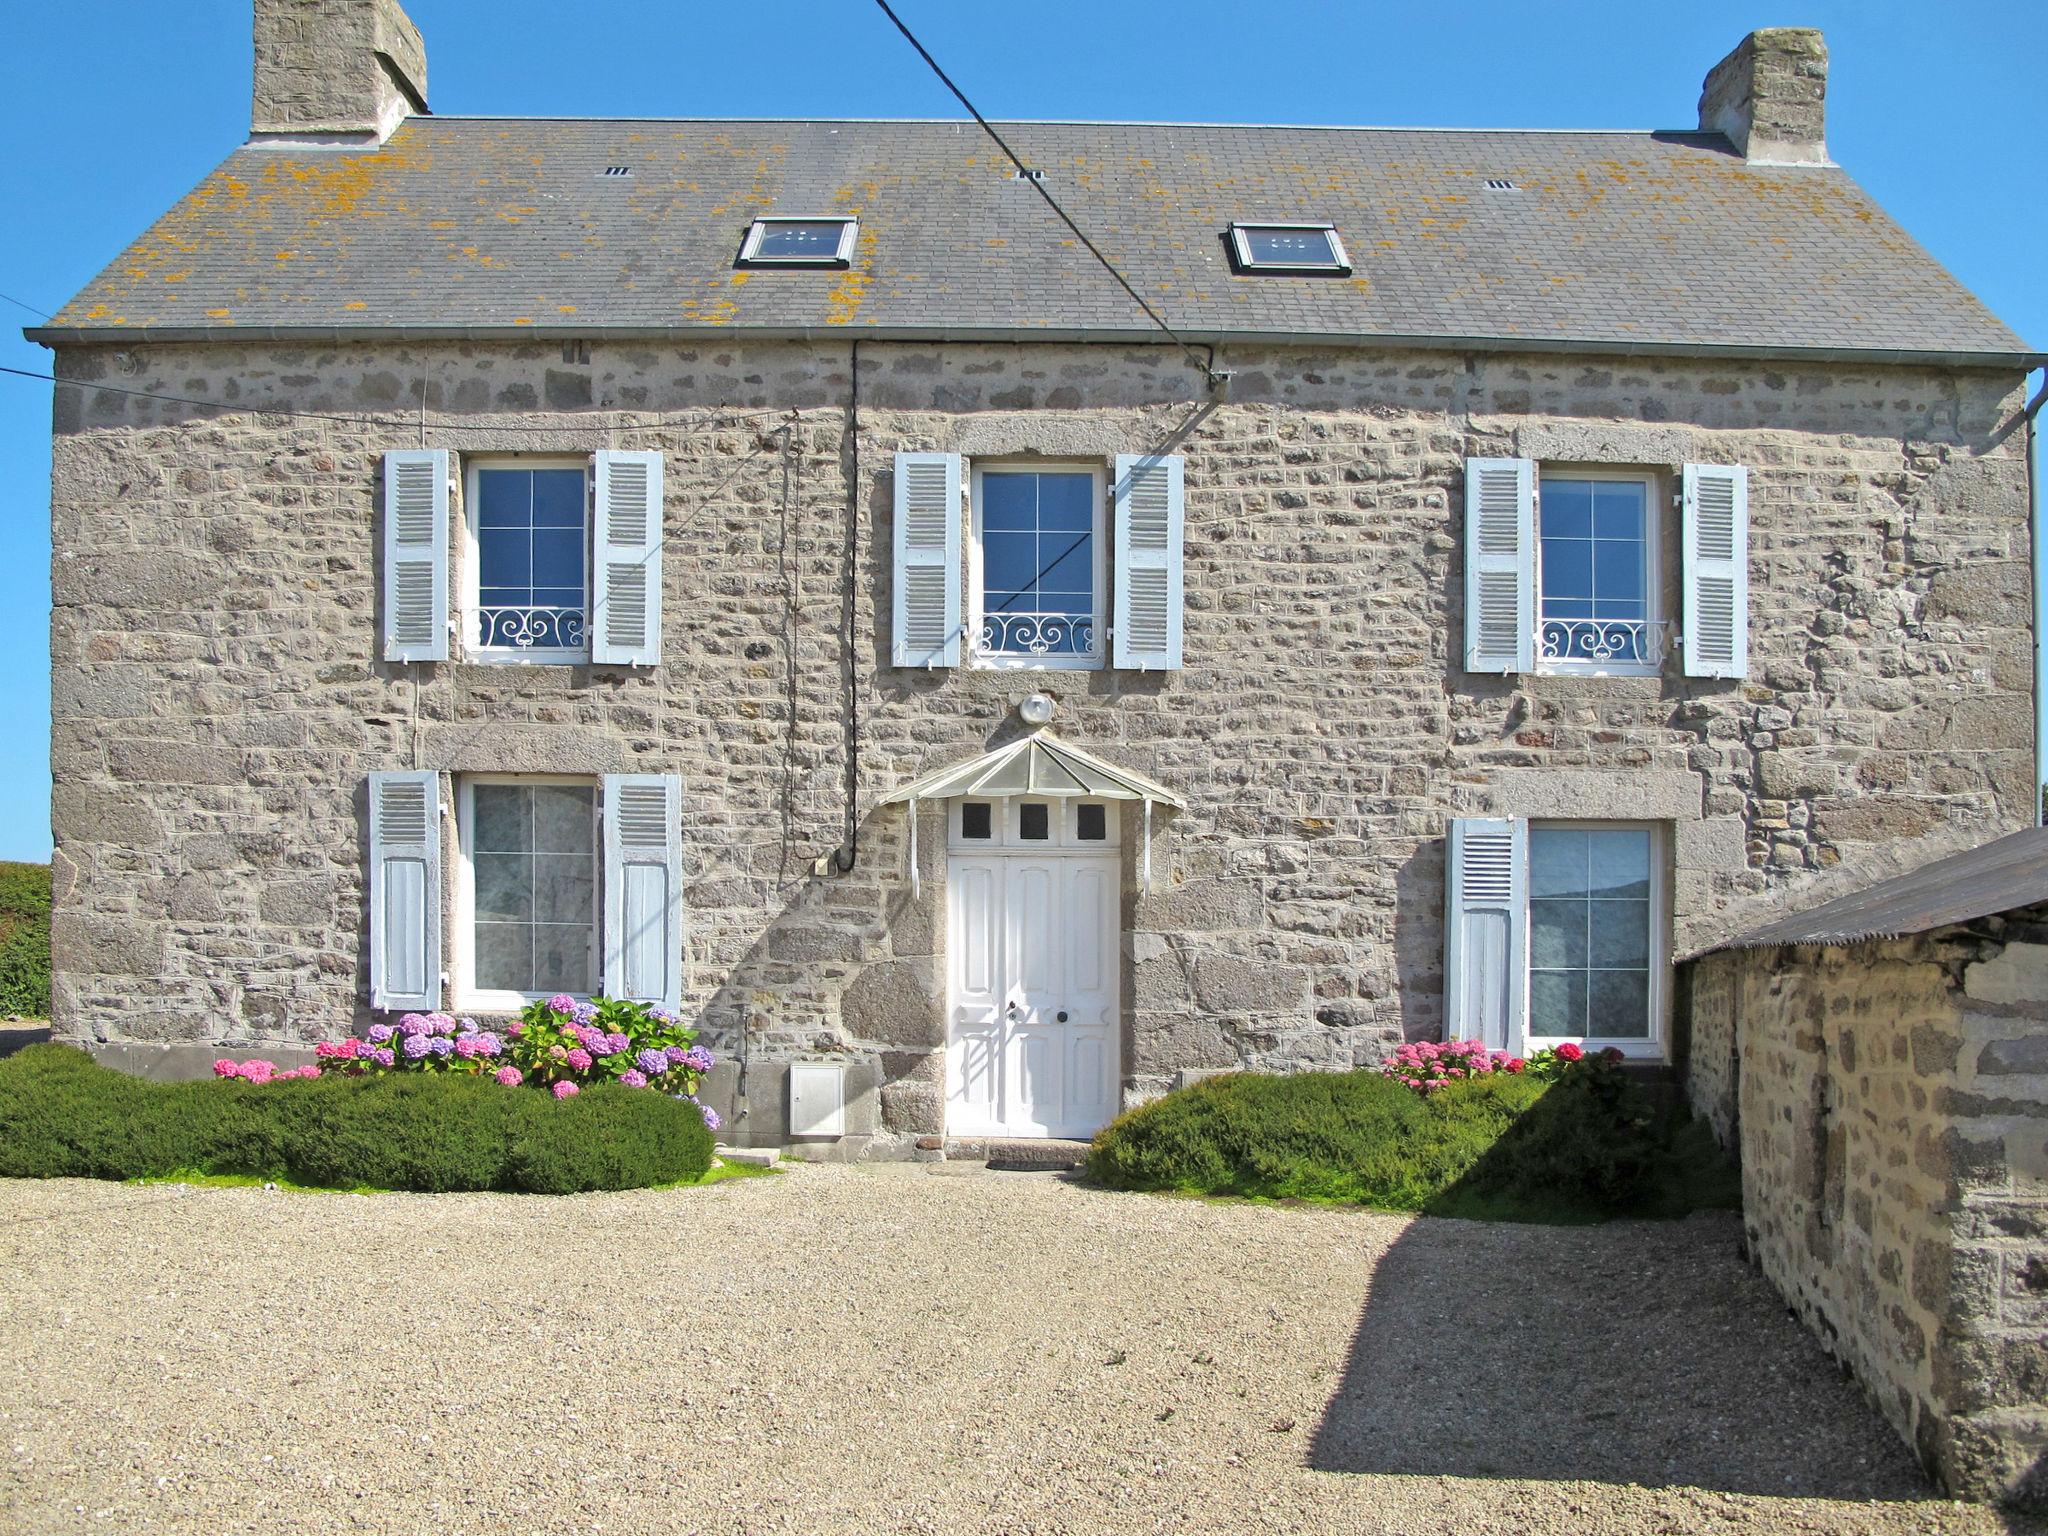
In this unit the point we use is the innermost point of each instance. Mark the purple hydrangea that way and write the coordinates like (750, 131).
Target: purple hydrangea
(617, 1041)
(563, 1003)
(385, 1056)
(441, 1046)
(415, 1047)
(487, 1044)
(712, 1121)
(415, 1026)
(651, 1061)
(467, 1026)
(586, 1012)
(697, 1059)
(633, 1079)
(379, 1033)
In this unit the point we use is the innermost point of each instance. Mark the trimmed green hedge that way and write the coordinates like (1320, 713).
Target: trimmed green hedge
(63, 1115)
(1501, 1147)
(25, 940)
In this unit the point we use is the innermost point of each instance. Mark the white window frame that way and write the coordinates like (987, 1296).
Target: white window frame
(1241, 250)
(471, 607)
(976, 596)
(1656, 1046)
(849, 233)
(1006, 820)
(469, 998)
(1655, 640)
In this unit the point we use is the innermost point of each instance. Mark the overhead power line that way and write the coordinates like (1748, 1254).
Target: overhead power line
(1036, 181)
(18, 304)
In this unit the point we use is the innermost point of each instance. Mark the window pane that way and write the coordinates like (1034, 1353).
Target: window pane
(532, 552)
(1620, 1006)
(1066, 501)
(1038, 557)
(1619, 862)
(1618, 507)
(1618, 580)
(561, 959)
(812, 241)
(1009, 501)
(1621, 934)
(1557, 1004)
(1567, 508)
(499, 818)
(504, 498)
(1069, 562)
(1008, 562)
(1290, 247)
(1034, 821)
(976, 819)
(1091, 823)
(558, 557)
(503, 888)
(504, 956)
(558, 498)
(563, 818)
(1557, 861)
(1557, 934)
(1567, 570)
(564, 888)
(1595, 589)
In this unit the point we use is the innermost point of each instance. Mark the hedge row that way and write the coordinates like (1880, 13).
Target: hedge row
(62, 1115)
(25, 940)
(1501, 1146)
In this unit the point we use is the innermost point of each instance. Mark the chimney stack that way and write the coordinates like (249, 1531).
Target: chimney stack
(1770, 97)
(336, 71)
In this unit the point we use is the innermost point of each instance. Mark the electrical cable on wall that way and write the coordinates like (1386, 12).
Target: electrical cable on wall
(846, 857)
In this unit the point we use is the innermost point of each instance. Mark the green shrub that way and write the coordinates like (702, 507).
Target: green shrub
(63, 1115)
(1502, 1146)
(25, 940)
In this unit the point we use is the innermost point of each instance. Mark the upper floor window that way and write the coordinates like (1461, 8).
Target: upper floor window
(1596, 570)
(1037, 582)
(1288, 248)
(529, 547)
(799, 243)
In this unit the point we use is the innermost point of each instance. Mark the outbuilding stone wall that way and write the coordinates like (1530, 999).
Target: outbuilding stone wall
(1889, 1100)
(218, 698)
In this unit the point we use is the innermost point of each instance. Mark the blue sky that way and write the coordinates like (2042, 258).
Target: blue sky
(122, 106)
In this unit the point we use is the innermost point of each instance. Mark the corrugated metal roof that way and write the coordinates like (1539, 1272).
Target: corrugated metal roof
(1629, 241)
(1997, 877)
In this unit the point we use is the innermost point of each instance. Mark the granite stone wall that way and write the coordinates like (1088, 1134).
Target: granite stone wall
(218, 696)
(1889, 1100)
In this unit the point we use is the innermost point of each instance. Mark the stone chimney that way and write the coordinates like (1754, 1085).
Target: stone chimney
(336, 70)
(1770, 97)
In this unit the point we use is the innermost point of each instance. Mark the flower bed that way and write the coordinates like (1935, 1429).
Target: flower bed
(560, 1045)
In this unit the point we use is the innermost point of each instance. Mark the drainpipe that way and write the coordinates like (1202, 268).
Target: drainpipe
(2039, 537)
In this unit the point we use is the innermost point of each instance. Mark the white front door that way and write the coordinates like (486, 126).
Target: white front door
(1032, 1047)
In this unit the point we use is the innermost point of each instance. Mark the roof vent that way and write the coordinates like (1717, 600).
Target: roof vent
(1501, 184)
(1027, 175)
(617, 170)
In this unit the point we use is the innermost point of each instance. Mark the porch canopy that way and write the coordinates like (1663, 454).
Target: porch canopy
(1038, 764)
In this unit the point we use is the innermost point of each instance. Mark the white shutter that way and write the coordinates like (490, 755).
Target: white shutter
(927, 619)
(416, 554)
(1716, 625)
(643, 887)
(1500, 565)
(1145, 624)
(405, 891)
(625, 622)
(1486, 943)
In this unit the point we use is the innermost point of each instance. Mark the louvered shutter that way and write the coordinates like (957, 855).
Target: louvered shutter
(405, 891)
(927, 619)
(643, 887)
(625, 627)
(1500, 565)
(1145, 623)
(416, 554)
(1486, 933)
(1716, 515)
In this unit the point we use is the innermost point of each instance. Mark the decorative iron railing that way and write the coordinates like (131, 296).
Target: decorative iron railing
(531, 629)
(1602, 642)
(1036, 635)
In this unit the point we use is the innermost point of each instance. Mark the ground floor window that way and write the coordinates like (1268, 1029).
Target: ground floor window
(530, 865)
(1590, 933)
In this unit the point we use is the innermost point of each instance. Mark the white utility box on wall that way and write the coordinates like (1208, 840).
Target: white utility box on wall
(817, 1098)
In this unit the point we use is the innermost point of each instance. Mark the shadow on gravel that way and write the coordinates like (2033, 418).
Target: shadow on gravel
(1635, 1352)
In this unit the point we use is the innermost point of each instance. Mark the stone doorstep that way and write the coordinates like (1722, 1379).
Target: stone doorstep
(1019, 1155)
(751, 1157)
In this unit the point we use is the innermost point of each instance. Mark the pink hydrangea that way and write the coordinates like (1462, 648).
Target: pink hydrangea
(565, 1090)
(579, 1059)
(562, 1003)
(511, 1077)
(633, 1077)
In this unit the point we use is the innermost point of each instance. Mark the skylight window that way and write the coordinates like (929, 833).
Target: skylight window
(799, 243)
(1287, 248)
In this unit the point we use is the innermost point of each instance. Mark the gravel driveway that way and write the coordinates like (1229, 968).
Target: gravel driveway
(889, 1349)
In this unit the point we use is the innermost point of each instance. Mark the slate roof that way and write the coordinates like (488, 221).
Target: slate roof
(481, 226)
(1997, 877)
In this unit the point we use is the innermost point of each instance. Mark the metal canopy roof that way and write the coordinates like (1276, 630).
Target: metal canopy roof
(1981, 882)
(1038, 764)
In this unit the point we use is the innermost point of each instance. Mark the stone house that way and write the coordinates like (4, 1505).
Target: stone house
(771, 567)
(1880, 1063)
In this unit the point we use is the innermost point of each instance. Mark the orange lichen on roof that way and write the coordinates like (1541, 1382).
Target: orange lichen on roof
(565, 309)
(355, 304)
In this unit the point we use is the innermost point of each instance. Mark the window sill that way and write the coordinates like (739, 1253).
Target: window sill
(1000, 662)
(1596, 669)
(507, 1004)
(533, 658)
